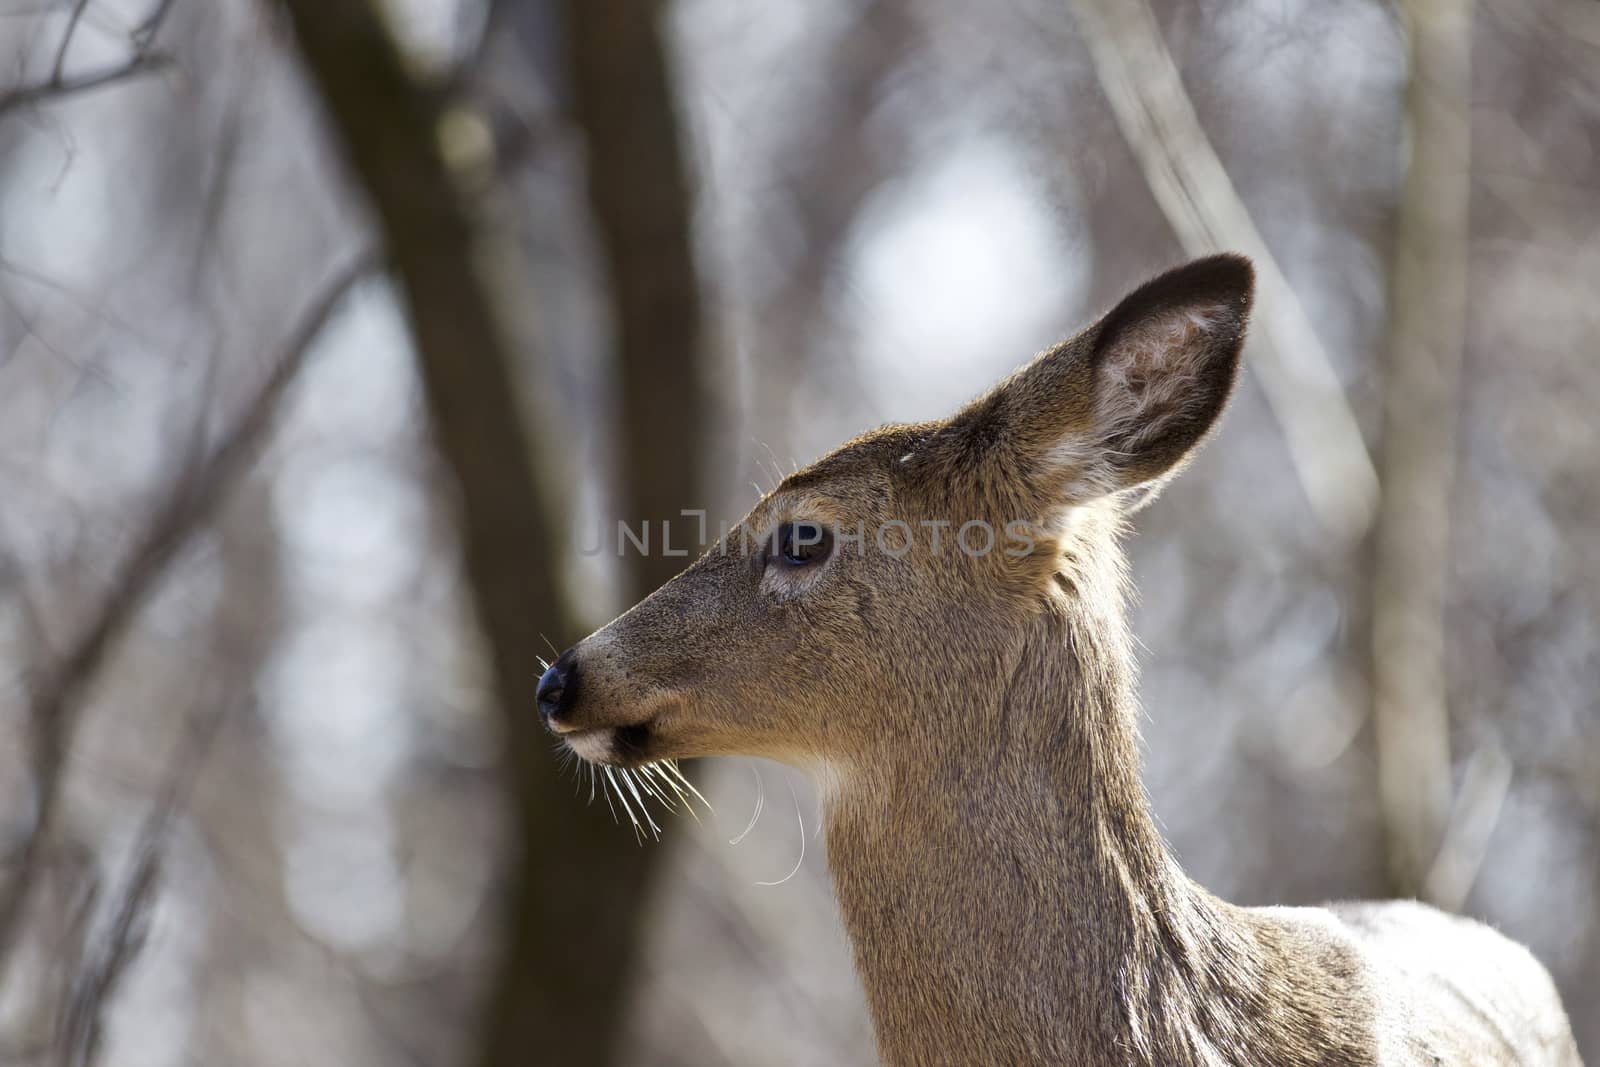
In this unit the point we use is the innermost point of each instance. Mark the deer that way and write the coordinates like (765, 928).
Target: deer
(970, 720)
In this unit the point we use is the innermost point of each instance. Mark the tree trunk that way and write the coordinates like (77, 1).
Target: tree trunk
(623, 99)
(1422, 384)
(579, 896)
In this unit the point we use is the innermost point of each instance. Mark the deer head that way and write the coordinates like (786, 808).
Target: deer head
(869, 610)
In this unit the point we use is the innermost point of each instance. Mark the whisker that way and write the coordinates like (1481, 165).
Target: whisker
(773, 456)
(627, 777)
(567, 762)
(641, 774)
(761, 802)
(801, 819)
(626, 807)
(652, 792)
(610, 785)
(672, 766)
(660, 780)
(652, 782)
(659, 773)
(640, 783)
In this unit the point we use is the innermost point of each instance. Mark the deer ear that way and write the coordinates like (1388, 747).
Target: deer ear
(1118, 407)
(1161, 367)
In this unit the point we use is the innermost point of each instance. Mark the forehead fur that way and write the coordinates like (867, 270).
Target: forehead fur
(874, 452)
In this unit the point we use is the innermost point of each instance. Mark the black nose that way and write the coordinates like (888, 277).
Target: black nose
(558, 685)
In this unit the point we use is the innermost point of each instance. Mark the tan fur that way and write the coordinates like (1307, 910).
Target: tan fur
(1008, 896)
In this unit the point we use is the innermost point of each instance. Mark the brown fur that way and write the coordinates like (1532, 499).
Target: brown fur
(971, 720)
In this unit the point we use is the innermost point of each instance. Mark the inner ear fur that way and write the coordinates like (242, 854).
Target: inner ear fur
(1164, 362)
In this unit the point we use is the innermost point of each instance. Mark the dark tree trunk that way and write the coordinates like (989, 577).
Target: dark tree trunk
(579, 896)
(622, 97)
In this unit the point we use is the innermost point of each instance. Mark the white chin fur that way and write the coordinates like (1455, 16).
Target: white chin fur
(592, 745)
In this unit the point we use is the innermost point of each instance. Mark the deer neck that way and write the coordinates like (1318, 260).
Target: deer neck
(1008, 895)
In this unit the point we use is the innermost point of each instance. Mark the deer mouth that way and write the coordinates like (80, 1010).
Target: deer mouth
(614, 746)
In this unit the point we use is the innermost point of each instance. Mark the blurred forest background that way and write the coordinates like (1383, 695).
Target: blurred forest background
(324, 353)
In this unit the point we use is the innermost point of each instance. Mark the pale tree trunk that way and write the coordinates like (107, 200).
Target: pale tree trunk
(1422, 385)
(580, 894)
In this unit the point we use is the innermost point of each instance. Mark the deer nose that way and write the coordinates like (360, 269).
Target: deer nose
(558, 685)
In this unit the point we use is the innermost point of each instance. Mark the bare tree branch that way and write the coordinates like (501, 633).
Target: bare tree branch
(145, 33)
(57, 693)
(66, 40)
(1158, 120)
(1483, 793)
(108, 958)
(60, 88)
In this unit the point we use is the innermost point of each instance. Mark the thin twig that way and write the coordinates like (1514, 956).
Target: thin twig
(192, 499)
(44, 7)
(145, 33)
(66, 41)
(54, 89)
(83, 1021)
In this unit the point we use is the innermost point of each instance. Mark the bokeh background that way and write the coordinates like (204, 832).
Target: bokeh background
(332, 333)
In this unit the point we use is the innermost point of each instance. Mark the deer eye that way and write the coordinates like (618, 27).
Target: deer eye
(800, 544)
